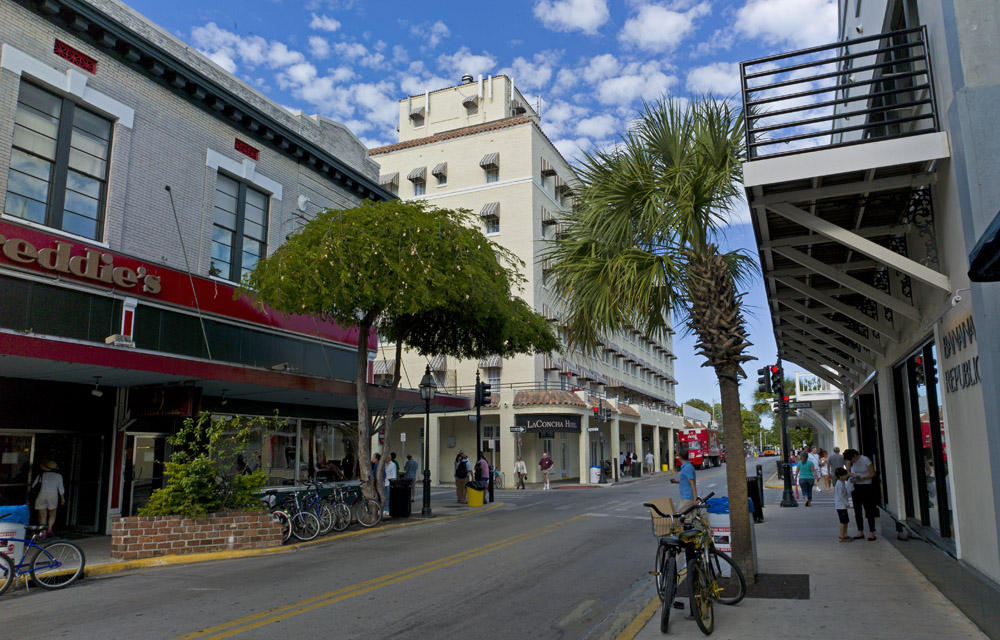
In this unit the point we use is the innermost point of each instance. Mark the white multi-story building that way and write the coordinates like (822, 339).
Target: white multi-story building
(480, 146)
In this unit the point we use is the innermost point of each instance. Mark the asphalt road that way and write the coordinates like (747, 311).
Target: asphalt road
(546, 564)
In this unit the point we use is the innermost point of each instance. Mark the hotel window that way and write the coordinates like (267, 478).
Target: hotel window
(490, 214)
(58, 164)
(239, 228)
(491, 165)
(492, 376)
(419, 188)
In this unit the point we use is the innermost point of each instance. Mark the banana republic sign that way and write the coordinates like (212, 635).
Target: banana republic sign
(28, 249)
(548, 422)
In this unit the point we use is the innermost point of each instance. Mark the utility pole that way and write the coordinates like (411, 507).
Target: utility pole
(778, 388)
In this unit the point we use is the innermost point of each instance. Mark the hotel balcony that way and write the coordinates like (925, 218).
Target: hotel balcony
(843, 144)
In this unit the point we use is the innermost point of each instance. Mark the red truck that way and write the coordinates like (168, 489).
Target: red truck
(702, 445)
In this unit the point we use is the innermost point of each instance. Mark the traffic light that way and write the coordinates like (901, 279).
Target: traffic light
(483, 395)
(777, 380)
(763, 384)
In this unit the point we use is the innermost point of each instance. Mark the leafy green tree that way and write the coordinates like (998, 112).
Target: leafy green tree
(415, 274)
(751, 424)
(207, 471)
(698, 403)
(643, 241)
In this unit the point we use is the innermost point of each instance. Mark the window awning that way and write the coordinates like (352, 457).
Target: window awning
(490, 160)
(440, 169)
(984, 261)
(547, 168)
(389, 179)
(470, 101)
(547, 217)
(561, 184)
(491, 362)
(417, 175)
(439, 363)
(417, 112)
(490, 209)
(383, 367)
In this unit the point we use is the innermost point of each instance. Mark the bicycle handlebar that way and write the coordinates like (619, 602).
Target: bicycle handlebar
(700, 503)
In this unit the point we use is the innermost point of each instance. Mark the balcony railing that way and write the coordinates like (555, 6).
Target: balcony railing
(861, 90)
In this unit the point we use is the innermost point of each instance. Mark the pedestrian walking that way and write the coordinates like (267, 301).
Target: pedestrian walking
(835, 461)
(824, 468)
(841, 499)
(862, 471)
(410, 470)
(390, 472)
(650, 462)
(627, 467)
(545, 466)
(687, 480)
(461, 475)
(51, 495)
(621, 462)
(521, 471)
(814, 459)
(806, 475)
(635, 463)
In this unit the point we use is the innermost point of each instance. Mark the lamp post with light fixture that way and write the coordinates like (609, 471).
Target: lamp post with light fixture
(427, 388)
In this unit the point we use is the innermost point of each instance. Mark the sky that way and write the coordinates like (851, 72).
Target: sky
(588, 64)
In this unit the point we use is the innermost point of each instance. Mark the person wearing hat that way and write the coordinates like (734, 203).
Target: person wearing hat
(51, 495)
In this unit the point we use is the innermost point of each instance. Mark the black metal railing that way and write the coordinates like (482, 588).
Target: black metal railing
(872, 88)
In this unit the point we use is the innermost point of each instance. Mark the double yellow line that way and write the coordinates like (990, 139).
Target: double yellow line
(260, 619)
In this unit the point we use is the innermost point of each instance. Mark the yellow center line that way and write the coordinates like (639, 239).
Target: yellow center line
(263, 618)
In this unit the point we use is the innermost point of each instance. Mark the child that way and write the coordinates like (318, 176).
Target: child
(841, 495)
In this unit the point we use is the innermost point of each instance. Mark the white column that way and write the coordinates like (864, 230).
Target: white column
(656, 448)
(585, 449)
(670, 449)
(434, 439)
(616, 446)
(508, 439)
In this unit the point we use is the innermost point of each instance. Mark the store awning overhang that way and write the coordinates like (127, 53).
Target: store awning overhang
(984, 261)
(53, 359)
(841, 233)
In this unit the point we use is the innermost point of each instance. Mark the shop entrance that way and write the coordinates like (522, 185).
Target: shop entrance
(563, 468)
(143, 474)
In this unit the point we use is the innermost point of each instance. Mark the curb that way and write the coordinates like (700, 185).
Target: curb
(640, 621)
(770, 478)
(108, 568)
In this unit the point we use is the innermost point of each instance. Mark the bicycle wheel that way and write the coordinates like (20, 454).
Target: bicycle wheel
(498, 481)
(57, 565)
(730, 588)
(341, 516)
(326, 519)
(6, 573)
(702, 600)
(286, 524)
(369, 512)
(667, 574)
(305, 526)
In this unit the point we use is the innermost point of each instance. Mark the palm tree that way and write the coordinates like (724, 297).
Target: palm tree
(642, 242)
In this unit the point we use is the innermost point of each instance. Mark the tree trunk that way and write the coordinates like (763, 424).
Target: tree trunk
(736, 472)
(387, 419)
(364, 419)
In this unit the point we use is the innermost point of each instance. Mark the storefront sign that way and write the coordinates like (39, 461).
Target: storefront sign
(84, 263)
(548, 422)
(966, 373)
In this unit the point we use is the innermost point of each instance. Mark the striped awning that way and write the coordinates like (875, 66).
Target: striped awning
(490, 209)
(417, 112)
(547, 168)
(490, 160)
(491, 362)
(469, 101)
(440, 169)
(560, 184)
(439, 363)
(417, 175)
(383, 367)
(547, 217)
(389, 179)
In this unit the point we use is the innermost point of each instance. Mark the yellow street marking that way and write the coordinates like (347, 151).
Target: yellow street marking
(263, 618)
(634, 627)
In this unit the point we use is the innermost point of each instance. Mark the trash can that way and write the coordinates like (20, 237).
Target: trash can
(636, 467)
(474, 493)
(399, 497)
(756, 494)
(595, 475)
(608, 470)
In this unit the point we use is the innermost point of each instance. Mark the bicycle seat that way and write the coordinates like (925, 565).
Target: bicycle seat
(34, 527)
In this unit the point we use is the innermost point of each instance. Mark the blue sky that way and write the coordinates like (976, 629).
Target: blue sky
(591, 63)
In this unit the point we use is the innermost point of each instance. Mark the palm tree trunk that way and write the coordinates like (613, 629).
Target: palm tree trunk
(736, 472)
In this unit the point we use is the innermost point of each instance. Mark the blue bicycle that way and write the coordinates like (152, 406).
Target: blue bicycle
(52, 565)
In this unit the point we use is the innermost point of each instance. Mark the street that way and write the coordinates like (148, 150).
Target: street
(554, 564)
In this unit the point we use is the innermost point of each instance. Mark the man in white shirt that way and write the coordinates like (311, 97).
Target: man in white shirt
(814, 459)
(390, 474)
(521, 470)
(650, 462)
(862, 471)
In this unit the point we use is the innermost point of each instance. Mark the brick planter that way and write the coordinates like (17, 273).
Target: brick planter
(148, 536)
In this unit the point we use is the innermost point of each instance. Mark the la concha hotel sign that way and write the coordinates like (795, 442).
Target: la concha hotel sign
(29, 249)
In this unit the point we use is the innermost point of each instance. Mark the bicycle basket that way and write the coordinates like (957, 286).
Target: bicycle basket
(663, 526)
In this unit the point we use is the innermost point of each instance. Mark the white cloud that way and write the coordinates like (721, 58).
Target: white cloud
(324, 23)
(432, 34)
(572, 148)
(572, 15)
(599, 126)
(535, 73)
(799, 23)
(740, 212)
(318, 47)
(656, 28)
(464, 61)
(600, 67)
(416, 85)
(565, 79)
(721, 79)
(224, 60)
(559, 116)
(228, 49)
(359, 53)
(646, 82)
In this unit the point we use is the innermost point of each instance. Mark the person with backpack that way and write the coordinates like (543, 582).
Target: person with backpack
(545, 466)
(461, 475)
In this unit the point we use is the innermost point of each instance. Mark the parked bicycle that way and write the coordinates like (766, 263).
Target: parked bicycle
(368, 511)
(711, 575)
(497, 479)
(303, 524)
(52, 565)
(341, 512)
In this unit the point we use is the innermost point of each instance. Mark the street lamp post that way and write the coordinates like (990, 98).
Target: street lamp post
(427, 388)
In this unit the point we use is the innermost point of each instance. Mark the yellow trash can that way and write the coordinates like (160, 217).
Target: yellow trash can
(474, 497)
(665, 467)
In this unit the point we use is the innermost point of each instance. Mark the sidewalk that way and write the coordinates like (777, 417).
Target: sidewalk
(859, 589)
